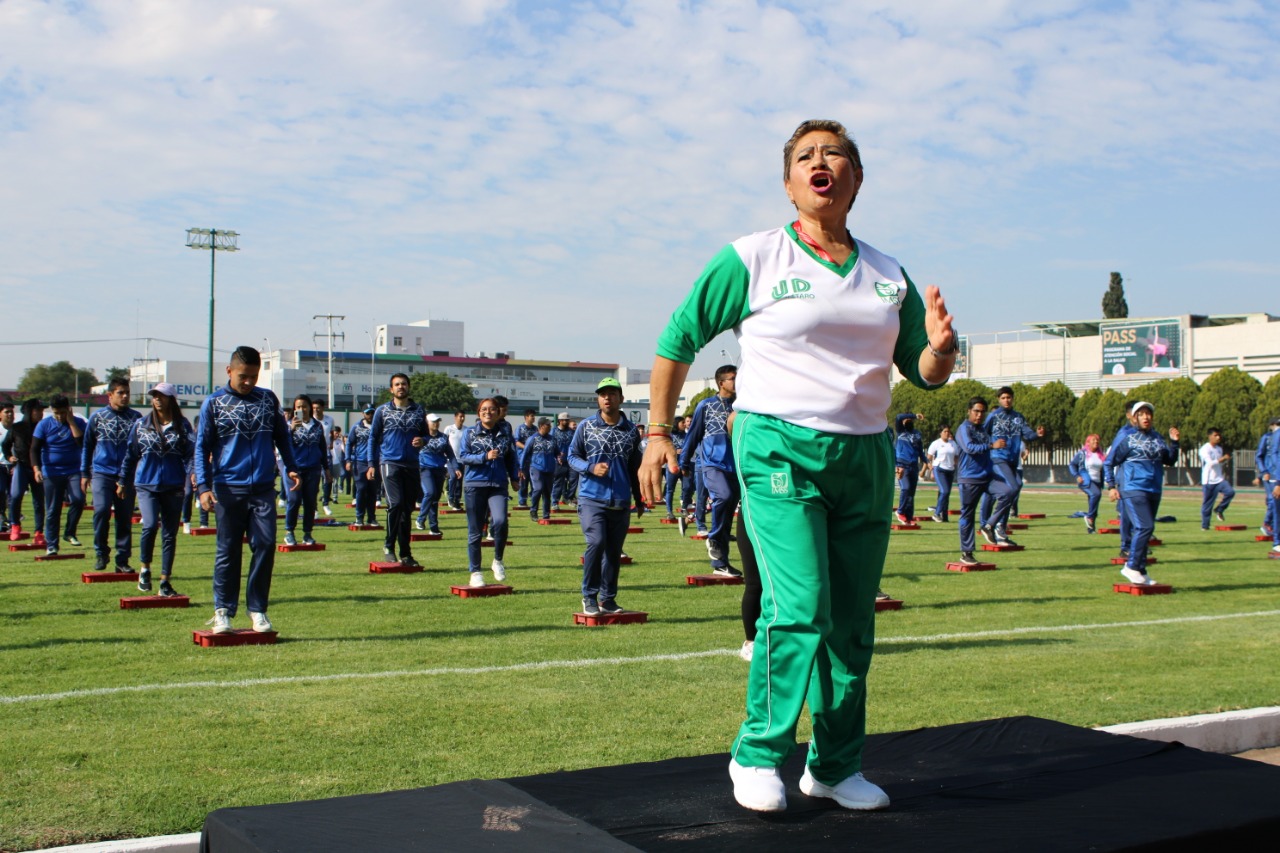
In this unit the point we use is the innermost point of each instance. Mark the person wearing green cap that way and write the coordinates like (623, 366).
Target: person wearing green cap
(821, 319)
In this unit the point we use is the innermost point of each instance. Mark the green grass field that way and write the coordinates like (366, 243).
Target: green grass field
(394, 683)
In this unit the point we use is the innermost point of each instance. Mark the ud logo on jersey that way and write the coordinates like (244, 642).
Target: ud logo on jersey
(888, 291)
(797, 288)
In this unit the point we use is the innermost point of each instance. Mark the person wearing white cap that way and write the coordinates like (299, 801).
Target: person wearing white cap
(433, 463)
(160, 446)
(1141, 458)
(105, 440)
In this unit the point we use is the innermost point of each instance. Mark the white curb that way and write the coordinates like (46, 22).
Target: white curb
(186, 843)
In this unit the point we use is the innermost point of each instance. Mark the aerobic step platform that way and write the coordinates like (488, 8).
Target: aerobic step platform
(626, 617)
(1142, 589)
(975, 567)
(556, 521)
(108, 577)
(287, 549)
(425, 537)
(888, 604)
(48, 558)
(380, 568)
(987, 546)
(712, 580)
(234, 637)
(1120, 561)
(145, 602)
(489, 590)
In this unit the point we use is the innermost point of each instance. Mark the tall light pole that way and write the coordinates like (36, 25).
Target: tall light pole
(215, 241)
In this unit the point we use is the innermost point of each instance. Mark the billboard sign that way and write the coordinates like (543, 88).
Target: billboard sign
(1154, 346)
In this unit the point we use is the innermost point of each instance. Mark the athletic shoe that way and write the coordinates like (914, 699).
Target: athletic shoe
(409, 562)
(488, 537)
(533, 516)
(1135, 576)
(758, 788)
(167, 590)
(261, 623)
(988, 533)
(417, 525)
(51, 550)
(522, 506)
(1220, 516)
(71, 540)
(939, 519)
(901, 519)
(125, 569)
(290, 539)
(670, 517)
(186, 528)
(881, 595)
(1090, 526)
(327, 511)
(968, 559)
(727, 571)
(389, 554)
(499, 570)
(100, 563)
(221, 621)
(608, 605)
(435, 531)
(1265, 530)
(1124, 553)
(280, 502)
(38, 540)
(590, 607)
(682, 524)
(144, 580)
(1205, 528)
(477, 579)
(309, 540)
(853, 793)
(15, 532)
(747, 650)
(715, 551)
(1005, 540)
(1275, 549)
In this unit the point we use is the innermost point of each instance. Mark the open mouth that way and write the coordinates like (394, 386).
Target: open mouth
(820, 183)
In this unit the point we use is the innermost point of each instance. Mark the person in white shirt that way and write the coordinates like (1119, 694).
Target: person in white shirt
(1212, 481)
(454, 469)
(942, 458)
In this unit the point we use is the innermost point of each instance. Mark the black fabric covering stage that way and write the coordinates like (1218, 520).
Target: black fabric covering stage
(1014, 784)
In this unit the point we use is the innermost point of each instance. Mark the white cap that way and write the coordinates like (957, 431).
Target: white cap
(1141, 404)
(433, 417)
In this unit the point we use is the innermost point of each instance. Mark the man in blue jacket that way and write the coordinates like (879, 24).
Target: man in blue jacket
(563, 434)
(398, 432)
(605, 453)
(1262, 468)
(1005, 423)
(908, 453)
(106, 440)
(975, 473)
(56, 445)
(358, 456)
(241, 428)
(709, 436)
(524, 432)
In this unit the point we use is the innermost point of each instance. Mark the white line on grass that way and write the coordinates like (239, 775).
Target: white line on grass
(590, 662)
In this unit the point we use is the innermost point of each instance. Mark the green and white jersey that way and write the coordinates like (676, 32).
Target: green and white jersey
(818, 339)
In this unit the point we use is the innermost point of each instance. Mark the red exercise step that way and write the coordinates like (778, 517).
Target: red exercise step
(141, 602)
(381, 568)
(285, 549)
(626, 617)
(896, 526)
(987, 546)
(555, 521)
(203, 531)
(888, 604)
(108, 577)
(1031, 515)
(425, 537)
(712, 580)
(974, 567)
(463, 590)
(47, 558)
(1121, 561)
(234, 637)
(1142, 588)
(358, 527)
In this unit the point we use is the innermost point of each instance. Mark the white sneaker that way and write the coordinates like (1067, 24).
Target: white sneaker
(853, 793)
(477, 579)
(221, 621)
(1275, 549)
(747, 650)
(280, 502)
(1135, 576)
(328, 511)
(186, 528)
(417, 525)
(499, 570)
(261, 623)
(758, 788)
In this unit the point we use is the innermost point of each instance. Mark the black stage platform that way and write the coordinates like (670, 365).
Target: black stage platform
(1016, 784)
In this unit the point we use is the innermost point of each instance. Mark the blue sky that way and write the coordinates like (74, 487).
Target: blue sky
(556, 174)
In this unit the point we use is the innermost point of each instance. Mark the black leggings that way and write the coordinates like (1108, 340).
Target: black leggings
(752, 589)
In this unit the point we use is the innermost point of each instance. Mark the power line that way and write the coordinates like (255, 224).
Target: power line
(103, 341)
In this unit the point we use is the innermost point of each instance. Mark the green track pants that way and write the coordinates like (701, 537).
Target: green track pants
(816, 508)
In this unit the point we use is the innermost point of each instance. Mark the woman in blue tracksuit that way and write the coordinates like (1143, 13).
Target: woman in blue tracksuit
(1141, 459)
(908, 453)
(434, 459)
(489, 452)
(311, 452)
(976, 474)
(1086, 466)
(160, 447)
(538, 463)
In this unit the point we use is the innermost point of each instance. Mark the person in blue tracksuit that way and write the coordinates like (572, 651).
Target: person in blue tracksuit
(678, 436)
(398, 431)
(1087, 467)
(942, 459)
(976, 475)
(524, 432)
(1214, 483)
(158, 450)
(908, 453)
(6, 466)
(56, 445)
(433, 469)
(1273, 468)
(359, 455)
(489, 452)
(709, 435)
(241, 428)
(311, 455)
(563, 435)
(1141, 458)
(17, 451)
(538, 463)
(606, 454)
(1262, 467)
(105, 439)
(1006, 423)
(1111, 475)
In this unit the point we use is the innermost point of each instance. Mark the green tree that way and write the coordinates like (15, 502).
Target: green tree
(1225, 401)
(1106, 417)
(1051, 407)
(61, 377)
(1268, 407)
(696, 399)
(116, 373)
(1078, 423)
(1173, 399)
(1114, 305)
(949, 404)
(437, 393)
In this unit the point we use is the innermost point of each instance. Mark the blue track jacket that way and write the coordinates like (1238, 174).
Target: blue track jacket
(237, 440)
(596, 441)
(106, 438)
(158, 459)
(392, 434)
(708, 435)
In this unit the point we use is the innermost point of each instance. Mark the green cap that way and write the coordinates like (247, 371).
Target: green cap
(608, 382)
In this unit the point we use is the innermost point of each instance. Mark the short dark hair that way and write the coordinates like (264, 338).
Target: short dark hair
(5, 404)
(315, 403)
(462, 412)
(247, 356)
(533, 412)
(502, 401)
(973, 401)
(847, 144)
(60, 401)
(723, 371)
(1005, 389)
(1213, 430)
(118, 382)
(396, 376)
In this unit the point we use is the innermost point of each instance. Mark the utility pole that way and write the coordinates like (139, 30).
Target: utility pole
(330, 335)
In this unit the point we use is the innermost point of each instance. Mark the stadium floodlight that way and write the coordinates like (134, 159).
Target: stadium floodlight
(215, 241)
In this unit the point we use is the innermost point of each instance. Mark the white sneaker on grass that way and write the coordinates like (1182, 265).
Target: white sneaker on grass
(261, 623)
(748, 649)
(1137, 577)
(186, 528)
(221, 621)
(853, 793)
(758, 788)
(499, 570)
(477, 579)
(328, 511)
